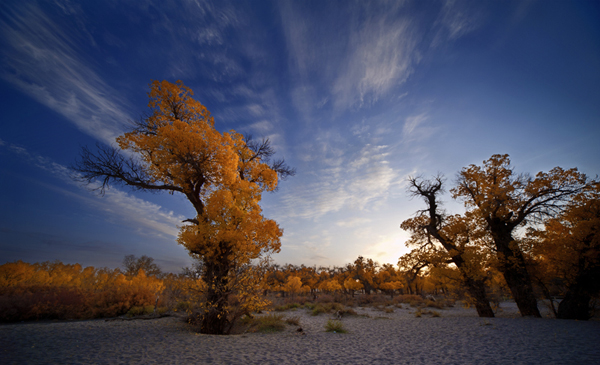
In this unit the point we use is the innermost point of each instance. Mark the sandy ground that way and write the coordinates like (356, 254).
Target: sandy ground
(458, 336)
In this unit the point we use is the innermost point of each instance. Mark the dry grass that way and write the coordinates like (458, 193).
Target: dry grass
(335, 327)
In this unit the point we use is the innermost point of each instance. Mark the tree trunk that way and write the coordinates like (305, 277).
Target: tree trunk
(482, 304)
(515, 273)
(216, 276)
(575, 305)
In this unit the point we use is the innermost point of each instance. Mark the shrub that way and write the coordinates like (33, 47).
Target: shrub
(335, 326)
(295, 321)
(288, 306)
(326, 308)
(325, 298)
(318, 309)
(265, 324)
(135, 311)
(348, 312)
(432, 304)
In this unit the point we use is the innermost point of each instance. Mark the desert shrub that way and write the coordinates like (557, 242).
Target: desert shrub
(265, 324)
(286, 307)
(298, 300)
(334, 326)
(325, 298)
(309, 305)
(407, 298)
(418, 313)
(347, 312)
(370, 299)
(140, 311)
(135, 311)
(318, 309)
(326, 308)
(389, 310)
(293, 320)
(432, 304)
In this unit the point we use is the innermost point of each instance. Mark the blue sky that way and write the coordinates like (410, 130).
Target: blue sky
(356, 95)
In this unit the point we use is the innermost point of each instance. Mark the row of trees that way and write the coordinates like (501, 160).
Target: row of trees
(53, 290)
(536, 231)
(363, 275)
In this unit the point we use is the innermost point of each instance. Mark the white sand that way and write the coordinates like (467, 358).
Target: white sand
(457, 337)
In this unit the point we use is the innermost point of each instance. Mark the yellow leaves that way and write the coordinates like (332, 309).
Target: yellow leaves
(352, 284)
(293, 285)
(331, 285)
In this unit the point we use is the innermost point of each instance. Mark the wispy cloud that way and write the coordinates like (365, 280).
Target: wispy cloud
(41, 60)
(382, 54)
(456, 19)
(139, 213)
(358, 182)
(352, 63)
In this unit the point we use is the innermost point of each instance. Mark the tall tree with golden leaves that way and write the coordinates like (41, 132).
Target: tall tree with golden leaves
(506, 201)
(176, 148)
(568, 249)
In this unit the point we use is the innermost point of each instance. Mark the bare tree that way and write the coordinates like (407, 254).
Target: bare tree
(453, 233)
(133, 265)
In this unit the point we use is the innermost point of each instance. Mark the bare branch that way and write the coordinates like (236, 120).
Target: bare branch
(108, 166)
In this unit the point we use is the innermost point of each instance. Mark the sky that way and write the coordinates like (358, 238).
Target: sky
(356, 95)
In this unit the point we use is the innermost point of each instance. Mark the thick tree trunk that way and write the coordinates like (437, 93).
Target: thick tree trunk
(216, 275)
(476, 289)
(575, 305)
(515, 273)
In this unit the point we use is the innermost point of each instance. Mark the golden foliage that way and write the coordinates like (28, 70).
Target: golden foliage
(63, 291)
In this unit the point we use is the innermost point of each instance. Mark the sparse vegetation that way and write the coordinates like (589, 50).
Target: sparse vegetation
(335, 326)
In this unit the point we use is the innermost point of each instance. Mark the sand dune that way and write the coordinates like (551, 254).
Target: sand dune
(458, 336)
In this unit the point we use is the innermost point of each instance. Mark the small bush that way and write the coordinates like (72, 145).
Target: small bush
(347, 312)
(418, 313)
(318, 310)
(183, 306)
(335, 326)
(435, 314)
(135, 311)
(389, 310)
(326, 308)
(288, 306)
(295, 321)
(309, 306)
(267, 323)
(432, 304)
(407, 298)
(325, 298)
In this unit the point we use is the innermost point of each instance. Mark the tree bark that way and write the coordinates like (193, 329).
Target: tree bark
(215, 319)
(514, 270)
(575, 305)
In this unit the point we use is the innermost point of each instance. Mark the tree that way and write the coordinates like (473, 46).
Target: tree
(293, 285)
(364, 271)
(569, 248)
(134, 264)
(352, 285)
(456, 234)
(177, 149)
(507, 201)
